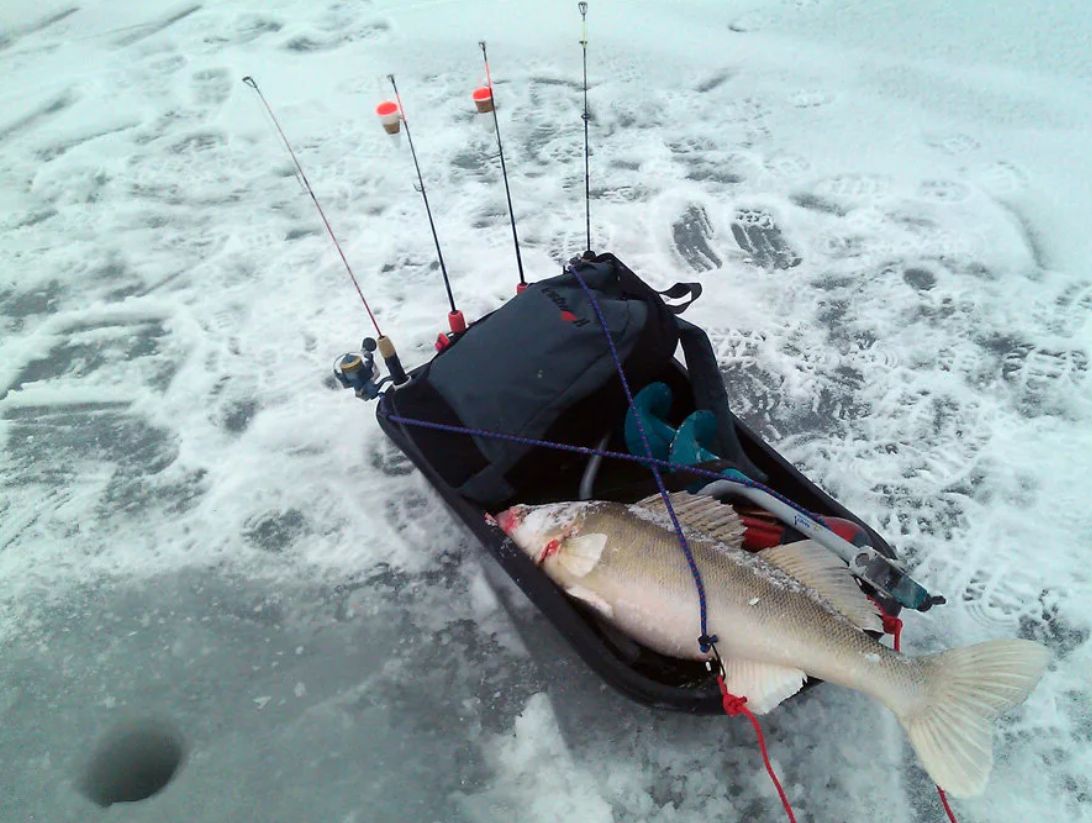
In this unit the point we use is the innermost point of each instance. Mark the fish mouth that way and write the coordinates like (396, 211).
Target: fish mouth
(510, 519)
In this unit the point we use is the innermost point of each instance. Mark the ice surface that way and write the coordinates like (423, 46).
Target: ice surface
(195, 527)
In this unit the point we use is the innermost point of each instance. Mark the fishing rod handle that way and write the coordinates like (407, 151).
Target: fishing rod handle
(390, 357)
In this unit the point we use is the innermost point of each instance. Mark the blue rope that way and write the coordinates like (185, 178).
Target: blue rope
(551, 444)
(704, 640)
(697, 471)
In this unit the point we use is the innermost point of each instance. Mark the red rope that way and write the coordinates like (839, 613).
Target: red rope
(733, 706)
(893, 626)
(947, 808)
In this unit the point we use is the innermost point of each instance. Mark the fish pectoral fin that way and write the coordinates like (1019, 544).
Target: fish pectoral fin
(700, 513)
(592, 599)
(764, 685)
(581, 554)
(817, 568)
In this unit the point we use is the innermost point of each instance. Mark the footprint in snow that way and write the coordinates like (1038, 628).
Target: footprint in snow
(1003, 178)
(249, 27)
(211, 86)
(1043, 377)
(760, 238)
(944, 191)
(388, 460)
(1074, 308)
(856, 187)
(841, 247)
(954, 144)
(691, 234)
(276, 531)
(787, 165)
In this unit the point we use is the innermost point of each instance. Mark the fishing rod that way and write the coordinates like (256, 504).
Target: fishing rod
(390, 118)
(485, 100)
(385, 344)
(583, 9)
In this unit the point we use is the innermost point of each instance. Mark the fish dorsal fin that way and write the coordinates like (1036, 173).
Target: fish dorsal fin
(700, 513)
(580, 554)
(818, 569)
(763, 684)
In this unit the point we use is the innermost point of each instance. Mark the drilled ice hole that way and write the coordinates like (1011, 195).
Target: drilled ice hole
(133, 761)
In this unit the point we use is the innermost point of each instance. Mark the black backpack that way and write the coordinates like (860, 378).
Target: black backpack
(539, 367)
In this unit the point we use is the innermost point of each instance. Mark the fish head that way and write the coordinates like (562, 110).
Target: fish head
(543, 531)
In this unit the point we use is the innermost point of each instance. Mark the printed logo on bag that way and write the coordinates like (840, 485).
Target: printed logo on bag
(566, 312)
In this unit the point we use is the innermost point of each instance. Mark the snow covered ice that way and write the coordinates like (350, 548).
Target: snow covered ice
(888, 205)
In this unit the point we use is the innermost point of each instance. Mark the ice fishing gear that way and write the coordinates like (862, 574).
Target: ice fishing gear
(526, 432)
(583, 9)
(455, 319)
(762, 530)
(390, 354)
(866, 563)
(390, 358)
(358, 371)
(485, 101)
(690, 444)
(389, 117)
(483, 98)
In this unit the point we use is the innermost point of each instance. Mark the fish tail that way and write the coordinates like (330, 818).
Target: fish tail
(965, 689)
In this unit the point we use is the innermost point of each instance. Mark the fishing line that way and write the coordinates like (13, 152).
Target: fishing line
(384, 343)
(250, 81)
(504, 170)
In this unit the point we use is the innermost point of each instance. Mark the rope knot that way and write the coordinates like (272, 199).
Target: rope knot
(733, 704)
(891, 624)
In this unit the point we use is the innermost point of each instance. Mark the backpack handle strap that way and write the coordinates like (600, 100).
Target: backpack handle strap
(677, 292)
(710, 395)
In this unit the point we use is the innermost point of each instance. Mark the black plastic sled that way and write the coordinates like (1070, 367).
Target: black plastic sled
(540, 367)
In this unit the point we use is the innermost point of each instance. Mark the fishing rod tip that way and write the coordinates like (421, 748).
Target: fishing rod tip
(250, 82)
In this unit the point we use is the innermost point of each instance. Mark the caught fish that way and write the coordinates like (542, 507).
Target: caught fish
(781, 615)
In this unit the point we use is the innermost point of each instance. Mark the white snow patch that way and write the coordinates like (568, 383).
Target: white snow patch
(536, 778)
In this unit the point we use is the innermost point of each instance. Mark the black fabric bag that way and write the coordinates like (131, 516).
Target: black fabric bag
(539, 367)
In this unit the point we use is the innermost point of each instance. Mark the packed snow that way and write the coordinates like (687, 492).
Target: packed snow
(887, 203)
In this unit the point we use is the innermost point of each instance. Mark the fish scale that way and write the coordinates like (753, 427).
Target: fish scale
(757, 611)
